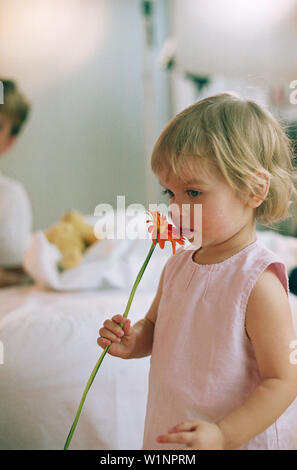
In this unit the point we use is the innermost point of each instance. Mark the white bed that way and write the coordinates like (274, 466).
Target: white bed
(50, 349)
(49, 352)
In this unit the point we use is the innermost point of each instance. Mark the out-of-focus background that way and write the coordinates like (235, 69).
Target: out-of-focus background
(88, 67)
(105, 76)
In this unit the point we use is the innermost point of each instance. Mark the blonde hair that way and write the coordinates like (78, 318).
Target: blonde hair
(237, 138)
(15, 106)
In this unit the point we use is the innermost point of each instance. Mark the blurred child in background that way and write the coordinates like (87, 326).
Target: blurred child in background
(15, 207)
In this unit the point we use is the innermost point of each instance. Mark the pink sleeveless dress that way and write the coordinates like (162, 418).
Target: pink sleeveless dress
(202, 364)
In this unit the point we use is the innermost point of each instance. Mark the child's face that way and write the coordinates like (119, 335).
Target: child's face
(223, 213)
(6, 139)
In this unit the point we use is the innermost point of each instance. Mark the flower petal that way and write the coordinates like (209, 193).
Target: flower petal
(163, 231)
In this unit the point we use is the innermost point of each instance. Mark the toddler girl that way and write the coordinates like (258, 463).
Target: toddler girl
(220, 329)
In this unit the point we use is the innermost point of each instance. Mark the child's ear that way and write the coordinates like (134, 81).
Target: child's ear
(263, 188)
(9, 143)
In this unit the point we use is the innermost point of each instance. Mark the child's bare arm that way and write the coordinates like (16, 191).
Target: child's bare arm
(137, 340)
(270, 327)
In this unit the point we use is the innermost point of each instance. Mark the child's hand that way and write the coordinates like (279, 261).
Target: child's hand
(199, 435)
(123, 339)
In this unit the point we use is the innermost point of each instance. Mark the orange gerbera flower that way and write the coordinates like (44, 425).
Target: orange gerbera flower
(162, 231)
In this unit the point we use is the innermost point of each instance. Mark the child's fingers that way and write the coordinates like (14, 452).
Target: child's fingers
(119, 319)
(108, 334)
(113, 327)
(122, 339)
(103, 342)
(124, 321)
(112, 331)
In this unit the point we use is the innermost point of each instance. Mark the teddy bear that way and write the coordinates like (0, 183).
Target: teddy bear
(72, 235)
(84, 229)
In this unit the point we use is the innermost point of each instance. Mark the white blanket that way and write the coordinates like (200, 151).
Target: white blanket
(50, 350)
(109, 263)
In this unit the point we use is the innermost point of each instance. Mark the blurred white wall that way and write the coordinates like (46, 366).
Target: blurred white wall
(237, 37)
(239, 45)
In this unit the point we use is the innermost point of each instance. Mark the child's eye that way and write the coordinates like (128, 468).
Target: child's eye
(194, 193)
(167, 191)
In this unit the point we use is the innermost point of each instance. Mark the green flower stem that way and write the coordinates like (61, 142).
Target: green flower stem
(95, 370)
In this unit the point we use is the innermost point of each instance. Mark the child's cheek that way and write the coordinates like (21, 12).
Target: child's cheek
(214, 223)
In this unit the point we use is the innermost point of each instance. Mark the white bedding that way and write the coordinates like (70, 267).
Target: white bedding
(50, 349)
